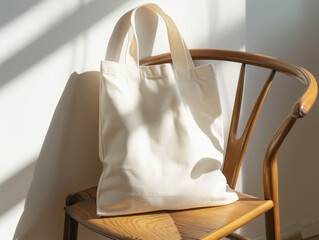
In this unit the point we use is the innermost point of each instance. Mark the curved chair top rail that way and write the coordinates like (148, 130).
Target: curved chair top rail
(302, 106)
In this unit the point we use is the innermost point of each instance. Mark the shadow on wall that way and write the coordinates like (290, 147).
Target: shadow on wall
(20, 183)
(68, 161)
(14, 8)
(65, 30)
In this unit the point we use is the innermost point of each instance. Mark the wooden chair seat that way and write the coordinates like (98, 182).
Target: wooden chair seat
(201, 223)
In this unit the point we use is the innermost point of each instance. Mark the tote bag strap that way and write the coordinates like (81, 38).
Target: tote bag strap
(116, 41)
(179, 51)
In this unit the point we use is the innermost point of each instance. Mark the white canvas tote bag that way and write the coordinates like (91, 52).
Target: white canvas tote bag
(161, 131)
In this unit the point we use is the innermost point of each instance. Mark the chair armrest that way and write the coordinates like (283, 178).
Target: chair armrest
(300, 109)
(307, 100)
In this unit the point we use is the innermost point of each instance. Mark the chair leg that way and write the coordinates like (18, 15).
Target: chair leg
(273, 224)
(70, 228)
(70, 225)
(271, 192)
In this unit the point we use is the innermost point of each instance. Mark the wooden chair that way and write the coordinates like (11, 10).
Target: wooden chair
(212, 222)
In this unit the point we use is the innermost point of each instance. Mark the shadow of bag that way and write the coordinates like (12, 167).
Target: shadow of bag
(160, 129)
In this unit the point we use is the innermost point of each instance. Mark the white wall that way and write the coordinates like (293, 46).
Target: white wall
(43, 42)
(289, 30)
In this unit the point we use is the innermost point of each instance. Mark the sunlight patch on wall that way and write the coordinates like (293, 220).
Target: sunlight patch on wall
(31, 24)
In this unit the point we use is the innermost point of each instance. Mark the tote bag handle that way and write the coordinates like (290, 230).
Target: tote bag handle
(179, 51)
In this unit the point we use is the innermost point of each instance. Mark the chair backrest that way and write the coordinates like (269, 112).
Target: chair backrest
(236, 146)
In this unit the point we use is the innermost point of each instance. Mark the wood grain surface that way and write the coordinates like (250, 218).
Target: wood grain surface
(201, 223)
